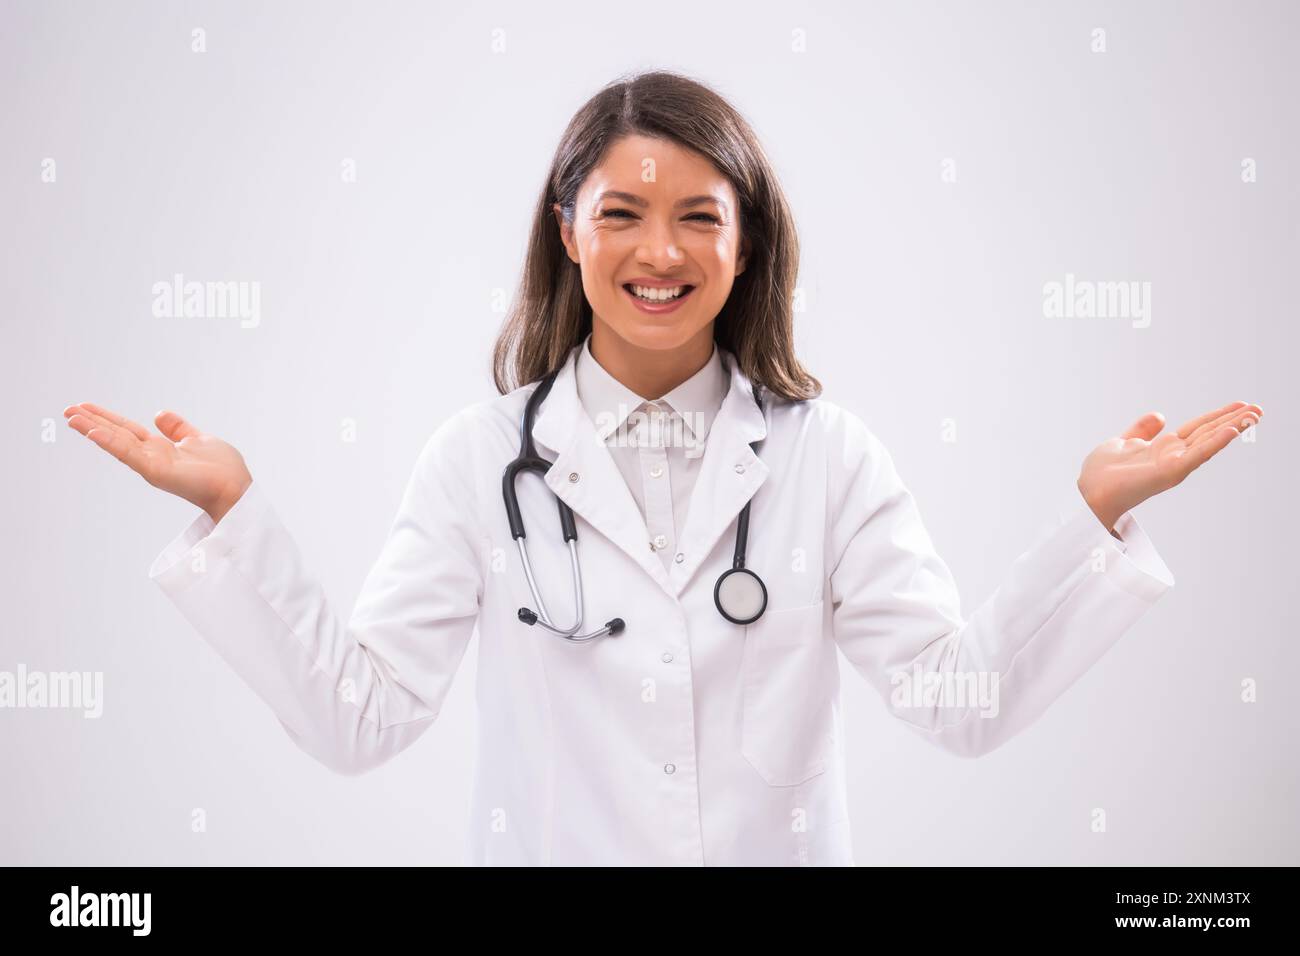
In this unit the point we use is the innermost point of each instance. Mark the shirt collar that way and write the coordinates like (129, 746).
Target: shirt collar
(608, 402)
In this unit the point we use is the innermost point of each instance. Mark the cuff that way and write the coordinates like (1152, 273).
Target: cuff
(185, 558)
(1131, 563)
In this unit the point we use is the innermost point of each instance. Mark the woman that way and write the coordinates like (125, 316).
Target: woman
(680, 718)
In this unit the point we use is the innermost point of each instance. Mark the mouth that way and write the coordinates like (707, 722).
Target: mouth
(657, 301)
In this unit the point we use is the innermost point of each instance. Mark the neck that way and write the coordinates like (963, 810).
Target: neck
(650, 373)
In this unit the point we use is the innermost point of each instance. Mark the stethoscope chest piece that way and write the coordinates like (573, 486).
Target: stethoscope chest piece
(740, 595)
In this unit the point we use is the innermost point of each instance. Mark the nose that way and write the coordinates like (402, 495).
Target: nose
(658, 248)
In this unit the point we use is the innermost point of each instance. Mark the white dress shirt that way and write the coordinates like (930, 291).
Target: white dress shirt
(657, 444)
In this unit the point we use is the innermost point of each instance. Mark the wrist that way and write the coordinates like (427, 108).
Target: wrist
(1105, 511)
(220, 507)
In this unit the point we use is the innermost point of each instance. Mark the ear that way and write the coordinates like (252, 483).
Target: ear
(566, 233)
(742, 257)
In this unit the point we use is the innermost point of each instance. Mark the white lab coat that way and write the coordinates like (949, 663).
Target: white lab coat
(686, 739)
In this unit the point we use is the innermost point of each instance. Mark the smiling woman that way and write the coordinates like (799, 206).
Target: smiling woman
(696, 725)
(673, 233)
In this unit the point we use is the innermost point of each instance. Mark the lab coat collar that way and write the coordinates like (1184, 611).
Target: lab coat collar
(585, 477)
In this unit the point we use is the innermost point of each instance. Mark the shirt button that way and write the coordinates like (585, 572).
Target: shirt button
(670, 768)
(573, 476)
(659, 542)
(667, 658)
(679, 557)
(656, 472)
(740, 469)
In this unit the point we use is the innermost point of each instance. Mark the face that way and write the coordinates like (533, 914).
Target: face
(658, 258)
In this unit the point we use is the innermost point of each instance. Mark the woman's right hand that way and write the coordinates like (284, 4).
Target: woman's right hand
(202, 469)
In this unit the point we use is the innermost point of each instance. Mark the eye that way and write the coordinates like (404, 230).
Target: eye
(628, 214)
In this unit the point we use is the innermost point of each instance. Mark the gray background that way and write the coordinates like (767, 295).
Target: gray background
(924, 303)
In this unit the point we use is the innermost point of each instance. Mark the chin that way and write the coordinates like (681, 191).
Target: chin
(645, 332)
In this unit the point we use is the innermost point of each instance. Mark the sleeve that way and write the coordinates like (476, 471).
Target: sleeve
(970, 684)
(350, 693)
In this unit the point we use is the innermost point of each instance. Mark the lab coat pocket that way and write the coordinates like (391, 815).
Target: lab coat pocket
(786, 723)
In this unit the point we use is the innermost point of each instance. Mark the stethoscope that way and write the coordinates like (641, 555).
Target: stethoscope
(740, 595)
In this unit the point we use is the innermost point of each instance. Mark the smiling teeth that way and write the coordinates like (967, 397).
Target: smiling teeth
(657, 295)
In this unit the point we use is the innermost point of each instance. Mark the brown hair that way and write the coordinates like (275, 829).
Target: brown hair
(551, 314)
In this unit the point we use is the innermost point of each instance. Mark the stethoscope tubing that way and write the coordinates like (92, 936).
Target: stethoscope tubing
(528, 460)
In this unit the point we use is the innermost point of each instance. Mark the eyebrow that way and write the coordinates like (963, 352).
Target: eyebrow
(680, 204)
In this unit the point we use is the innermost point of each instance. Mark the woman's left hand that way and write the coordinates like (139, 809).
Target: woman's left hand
(1120, 473)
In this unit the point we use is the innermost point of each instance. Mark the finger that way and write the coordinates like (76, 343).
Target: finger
(114, 439)
(1197, 422)
(136, 429)
(99, 421)
(1241, 417)
(1147, 427)
(120, 444)
(173, 426)
(83, 421)
(80, 423)
(1199, 454)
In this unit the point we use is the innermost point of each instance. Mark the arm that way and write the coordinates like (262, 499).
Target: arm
(896, 613)
(350, 693)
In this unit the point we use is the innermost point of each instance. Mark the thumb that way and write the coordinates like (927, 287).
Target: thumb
(1147, 427)
(173, 426)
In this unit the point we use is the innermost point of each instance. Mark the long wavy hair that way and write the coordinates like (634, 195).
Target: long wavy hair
(550, 314)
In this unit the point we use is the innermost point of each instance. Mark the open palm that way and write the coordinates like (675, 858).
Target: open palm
(1122, 472)
(182, 460)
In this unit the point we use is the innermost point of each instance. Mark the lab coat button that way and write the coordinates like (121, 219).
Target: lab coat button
(670, 768)
(679, 557)
(667, 658)
(573, 476)
(740, 469)
(656, 472)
